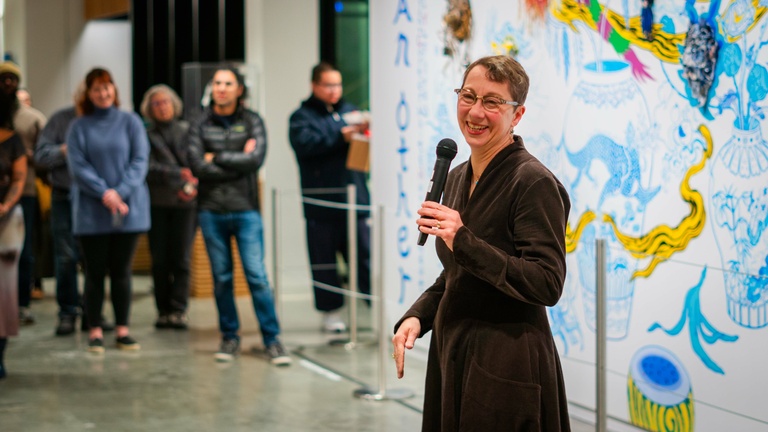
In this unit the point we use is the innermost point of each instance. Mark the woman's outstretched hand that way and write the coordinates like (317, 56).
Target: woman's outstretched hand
(405, 338)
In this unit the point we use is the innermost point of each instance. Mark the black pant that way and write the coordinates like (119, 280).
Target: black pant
(170, 243)
(324, 239)
(112, 252)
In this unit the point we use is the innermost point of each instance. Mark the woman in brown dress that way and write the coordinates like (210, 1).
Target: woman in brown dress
(500, 235)
(13, 173)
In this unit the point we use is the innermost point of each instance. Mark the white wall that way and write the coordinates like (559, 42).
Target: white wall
(284, 46)
(55, 48)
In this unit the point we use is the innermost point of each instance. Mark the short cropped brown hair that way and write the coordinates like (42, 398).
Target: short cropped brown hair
(506, 70)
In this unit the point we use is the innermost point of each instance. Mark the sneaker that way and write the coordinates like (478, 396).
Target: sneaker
(127, 343)
(163, 322)
(96, 345)
(66, 325)
(332, 322)
(277, 354)
(178, 321)
(25, 316)
(228, 350)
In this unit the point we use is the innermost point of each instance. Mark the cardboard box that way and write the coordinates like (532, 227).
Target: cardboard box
(358, 158)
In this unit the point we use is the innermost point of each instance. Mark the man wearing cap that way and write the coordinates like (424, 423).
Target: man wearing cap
(27, 123)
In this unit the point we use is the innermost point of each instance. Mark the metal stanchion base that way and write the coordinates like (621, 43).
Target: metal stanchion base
(389, 394)
(349, 345)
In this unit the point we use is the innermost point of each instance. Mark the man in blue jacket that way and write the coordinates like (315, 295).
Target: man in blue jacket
(227, 147)
(320, 137)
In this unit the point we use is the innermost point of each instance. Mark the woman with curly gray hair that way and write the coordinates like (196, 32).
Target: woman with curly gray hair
(172, 189)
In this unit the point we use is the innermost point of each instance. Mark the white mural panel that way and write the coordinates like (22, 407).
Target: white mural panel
(659, 139)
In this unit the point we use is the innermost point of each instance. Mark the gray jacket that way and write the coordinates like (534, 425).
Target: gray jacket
(168, 154)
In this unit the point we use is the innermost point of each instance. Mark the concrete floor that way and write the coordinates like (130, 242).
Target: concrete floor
(173, 383)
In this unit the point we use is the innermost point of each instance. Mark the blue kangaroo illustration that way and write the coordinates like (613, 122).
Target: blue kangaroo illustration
(622, 163)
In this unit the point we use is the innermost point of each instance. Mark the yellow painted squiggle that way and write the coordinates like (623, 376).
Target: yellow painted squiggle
(663, 241)
(572, 237)
(664, 46)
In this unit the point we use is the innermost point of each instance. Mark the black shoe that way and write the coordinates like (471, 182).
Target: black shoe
(178, 321)
(66, 325)
(228, 350)
(2, 371)
(127, 343)
(163, 321)
(96, 345)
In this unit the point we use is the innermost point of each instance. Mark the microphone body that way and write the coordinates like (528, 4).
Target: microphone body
(446, 151)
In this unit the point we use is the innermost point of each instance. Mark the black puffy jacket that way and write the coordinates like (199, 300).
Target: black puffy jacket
(228, 183)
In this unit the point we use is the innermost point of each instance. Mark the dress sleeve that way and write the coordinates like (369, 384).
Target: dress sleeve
(425, 307)
(536, 273)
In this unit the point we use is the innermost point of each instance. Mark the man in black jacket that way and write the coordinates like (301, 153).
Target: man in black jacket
(227, 146)
(320, 134)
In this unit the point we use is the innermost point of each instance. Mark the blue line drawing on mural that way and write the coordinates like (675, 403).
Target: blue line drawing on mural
(564, 321)
(698, 326)
(603, 121)
(620, 287)
(738, 178)
(622, 163)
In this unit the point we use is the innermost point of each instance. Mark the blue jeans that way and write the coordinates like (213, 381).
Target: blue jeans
(247, 229)
(66, 255)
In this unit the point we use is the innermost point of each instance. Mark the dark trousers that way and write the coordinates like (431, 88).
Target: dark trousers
(170, 243)
(66, 255)
(324, 239)
(111, 252)
(27, 259)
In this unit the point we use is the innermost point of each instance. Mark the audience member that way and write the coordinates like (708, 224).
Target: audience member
(28, 122)
(13, 171)
(228, 145)
(108, 156)
(51, 156)
(320, 135)
(172, 190)
(24, 97)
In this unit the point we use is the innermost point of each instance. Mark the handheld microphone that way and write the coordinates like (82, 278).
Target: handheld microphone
(446, 151)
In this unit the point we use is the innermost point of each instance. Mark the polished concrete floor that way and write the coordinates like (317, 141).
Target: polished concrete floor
(174, 384)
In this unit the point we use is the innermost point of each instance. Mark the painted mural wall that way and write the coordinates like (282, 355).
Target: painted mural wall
(658, 134)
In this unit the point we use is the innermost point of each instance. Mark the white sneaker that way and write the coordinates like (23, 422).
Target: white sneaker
(332, 322)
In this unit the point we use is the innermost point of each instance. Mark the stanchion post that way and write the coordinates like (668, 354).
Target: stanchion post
(384, 358)
(600, 333)
(352, 263)
(275, 251)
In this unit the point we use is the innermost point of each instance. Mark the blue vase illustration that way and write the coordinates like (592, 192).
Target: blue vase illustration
(739, 215)
(605, 118)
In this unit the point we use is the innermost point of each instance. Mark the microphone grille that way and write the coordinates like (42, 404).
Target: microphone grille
(446, 148)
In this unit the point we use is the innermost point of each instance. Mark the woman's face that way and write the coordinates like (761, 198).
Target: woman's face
(102, 94)
(482, 128)
(161, 106)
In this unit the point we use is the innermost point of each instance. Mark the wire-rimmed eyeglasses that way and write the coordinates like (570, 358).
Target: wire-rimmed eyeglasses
(490, 103)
